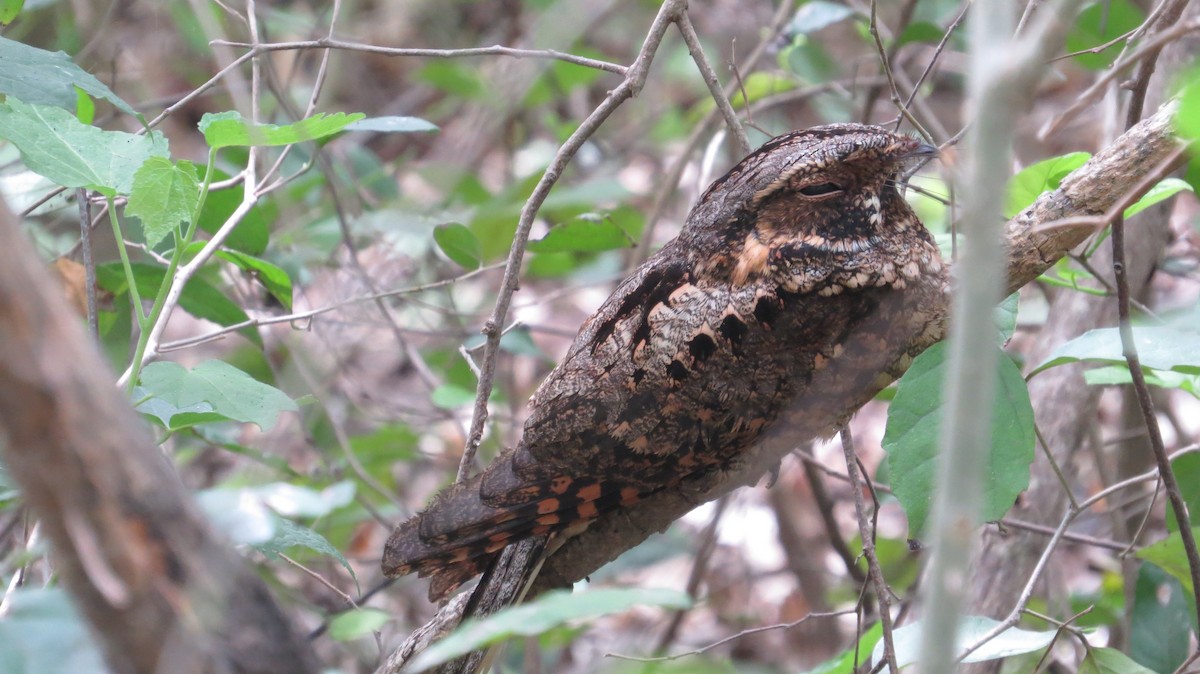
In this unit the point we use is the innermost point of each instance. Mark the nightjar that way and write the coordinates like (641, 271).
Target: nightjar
(797, 283)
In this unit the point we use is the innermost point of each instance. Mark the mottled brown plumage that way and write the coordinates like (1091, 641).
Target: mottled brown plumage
(793, 287)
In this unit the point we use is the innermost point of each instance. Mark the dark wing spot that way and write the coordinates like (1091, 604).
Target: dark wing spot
(766, 310)
(638, 405)
(655, 288)
(638, 375)
(677, 371)
(701, 347)
(733, 329)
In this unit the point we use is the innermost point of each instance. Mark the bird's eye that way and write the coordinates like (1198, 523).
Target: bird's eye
(820, 189)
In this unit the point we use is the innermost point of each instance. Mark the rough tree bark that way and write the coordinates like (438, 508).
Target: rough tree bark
(1037, 238)
(161, 591)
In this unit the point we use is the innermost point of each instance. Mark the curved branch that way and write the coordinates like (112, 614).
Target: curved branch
(155, 582)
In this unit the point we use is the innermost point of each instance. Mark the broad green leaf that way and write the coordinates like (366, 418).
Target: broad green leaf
(253, 233)
(1005, 316)
(357, 623)
(544, 613)
(1110, 661)
(232, 393)
(583, 235)
(1159, 348)
(1187, 475)
(1117, 374)
(56, 145)
(1013, 641)
(1169, 556)
(274, 279)
(392, 124)
(1099, 23)
(42, 633)
(288, 534)
(454, 77)
(921, 31)
(85, 108)
(200, 298)
(163, 197)
(459, 244)
(48, 77)
(449, 397)
(9, 9)
(1165, 189)
(851, 658)
(229, 129)
(817, 14)
(1043, 176)
(913, 430)
(1159, 625)
(757, 86)
(1063, 275)
(1187, 118)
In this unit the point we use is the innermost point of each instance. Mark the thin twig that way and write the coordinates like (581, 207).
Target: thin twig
(1129, 347)
(883, 593)
(89, 264)
(635, 78)
(735, 637)
(684, 23)
(495, 50)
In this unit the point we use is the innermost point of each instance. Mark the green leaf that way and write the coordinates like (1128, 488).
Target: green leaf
(1045, 175)
(48, 77)
(1168, 555)
(9, 9)
(274, 279)
(1012, 641)
(357, 623)
(459, 244)
(846, 662)
(1187, 118)
(56, 145)
(544, 613)
(1117, 374)
(1063, 275)
(1187, 475)
(449, 397)
(1159, 625)
(228, 129)
(288, 534)
(1110, 661)
(1165, 189)
(164, 196)
(1101, 23)
(1159, 348)
(1005, 317)
(920, 31)
(42, 633)
(583, 235)
(231, 393)
(913, 430)
(253, 233)
(200, 298)
(817, 14)
(85, 108)
(392, 124)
